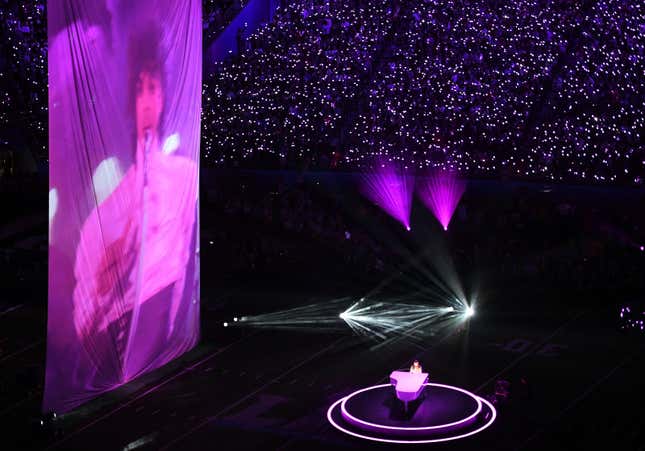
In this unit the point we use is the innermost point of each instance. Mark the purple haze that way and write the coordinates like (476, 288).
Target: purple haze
(390, 188)
(124, 115)
(441, 192)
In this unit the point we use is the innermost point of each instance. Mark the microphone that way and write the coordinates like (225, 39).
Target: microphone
(146, 148)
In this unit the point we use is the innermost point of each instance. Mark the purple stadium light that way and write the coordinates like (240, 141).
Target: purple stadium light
(441, 192)
(391, 189)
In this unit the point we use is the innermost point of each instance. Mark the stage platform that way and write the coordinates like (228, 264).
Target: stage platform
(442, 413)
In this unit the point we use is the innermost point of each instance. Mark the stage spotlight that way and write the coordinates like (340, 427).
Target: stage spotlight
(469, 311)
(642, 248)
(225, 324)
(235, 319)
(342, 315)
(390, 186)
(409, 229)
(441, 192)
(449, 309)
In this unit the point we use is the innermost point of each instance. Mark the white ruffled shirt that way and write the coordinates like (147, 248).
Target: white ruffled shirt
(170, 202)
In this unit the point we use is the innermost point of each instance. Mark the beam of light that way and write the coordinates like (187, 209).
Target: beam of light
(323, 315)
(383, 322)
(391, 188)
(440, 193)
(388, 321)
(417, 280)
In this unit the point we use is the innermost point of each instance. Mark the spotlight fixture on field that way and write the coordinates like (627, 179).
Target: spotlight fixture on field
(470, 311)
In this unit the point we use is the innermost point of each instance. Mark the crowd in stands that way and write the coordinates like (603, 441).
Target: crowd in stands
(23, 75)
(592, 125)
(534, 89)
(459, 79)
(216, 15)
(287, 90)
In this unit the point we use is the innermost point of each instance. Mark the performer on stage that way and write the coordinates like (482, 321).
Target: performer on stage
(134, 246)
(416, 367)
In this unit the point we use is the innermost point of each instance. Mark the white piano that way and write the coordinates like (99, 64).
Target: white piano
(408, 386)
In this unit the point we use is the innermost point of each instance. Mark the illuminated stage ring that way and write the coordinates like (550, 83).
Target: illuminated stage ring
(385, 440)
(348, 416)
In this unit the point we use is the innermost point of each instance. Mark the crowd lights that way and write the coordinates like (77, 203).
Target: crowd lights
(451, 97)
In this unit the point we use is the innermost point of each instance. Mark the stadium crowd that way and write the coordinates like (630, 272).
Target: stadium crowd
(217, 14)
(23, 76)
(531, 89)
(285, 93)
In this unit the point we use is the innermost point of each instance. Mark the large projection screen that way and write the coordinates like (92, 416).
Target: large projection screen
(124, 124)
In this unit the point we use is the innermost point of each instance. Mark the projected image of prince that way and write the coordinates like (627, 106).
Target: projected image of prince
(135, 245)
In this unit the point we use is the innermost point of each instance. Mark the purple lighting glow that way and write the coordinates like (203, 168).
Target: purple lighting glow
(373, 432)
(464, 421)
(441, 192)
(390, 188)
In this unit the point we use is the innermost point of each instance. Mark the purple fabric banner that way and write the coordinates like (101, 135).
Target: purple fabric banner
(124, 118)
